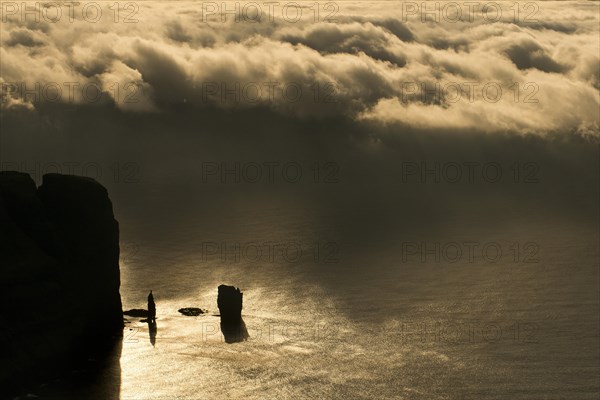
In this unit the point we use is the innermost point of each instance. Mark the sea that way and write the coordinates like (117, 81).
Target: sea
(349, 301)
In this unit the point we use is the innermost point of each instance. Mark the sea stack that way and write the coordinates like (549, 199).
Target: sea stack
(229, 301)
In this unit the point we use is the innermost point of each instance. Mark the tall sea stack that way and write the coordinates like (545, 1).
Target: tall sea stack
(229, 301)
(59, 269)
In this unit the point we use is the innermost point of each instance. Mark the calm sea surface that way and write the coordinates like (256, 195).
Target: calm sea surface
(333, 314)
(344, 304)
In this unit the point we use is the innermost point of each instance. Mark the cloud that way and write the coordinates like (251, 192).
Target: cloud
(368, 63)
(24, 37)
(354, 38)
(529, 54)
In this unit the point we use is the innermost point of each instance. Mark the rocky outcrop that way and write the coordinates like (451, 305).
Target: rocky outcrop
(229, 301)
(137, 313)
(59, 273)
(191, 311)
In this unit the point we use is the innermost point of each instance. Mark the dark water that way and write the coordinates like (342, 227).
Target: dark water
(370, 316)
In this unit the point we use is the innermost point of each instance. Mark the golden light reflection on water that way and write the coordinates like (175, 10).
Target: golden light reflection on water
(357, 334)
(191, 358)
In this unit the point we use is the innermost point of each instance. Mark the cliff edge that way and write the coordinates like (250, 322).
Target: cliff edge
(59, 274)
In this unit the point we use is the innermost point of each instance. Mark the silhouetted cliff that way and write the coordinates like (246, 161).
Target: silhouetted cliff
(59, 274)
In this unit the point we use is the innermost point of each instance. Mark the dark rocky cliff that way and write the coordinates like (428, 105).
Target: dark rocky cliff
(59, 274)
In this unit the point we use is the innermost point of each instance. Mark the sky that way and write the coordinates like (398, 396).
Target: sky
(154, 93)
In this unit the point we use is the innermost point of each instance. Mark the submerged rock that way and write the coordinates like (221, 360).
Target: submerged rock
(191, 311)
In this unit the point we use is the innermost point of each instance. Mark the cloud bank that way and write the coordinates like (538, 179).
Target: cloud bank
(385, 63)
